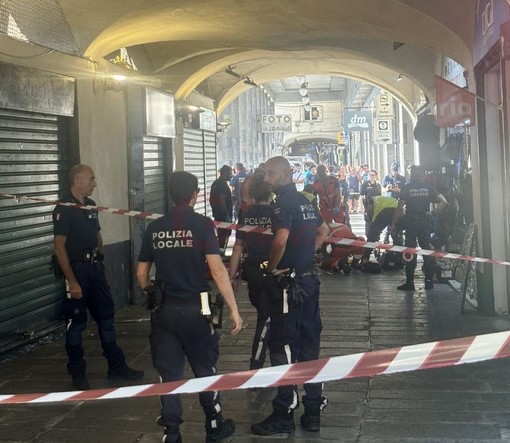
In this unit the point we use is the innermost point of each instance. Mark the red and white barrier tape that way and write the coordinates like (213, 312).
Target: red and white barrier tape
(388, 361)
(225, 225)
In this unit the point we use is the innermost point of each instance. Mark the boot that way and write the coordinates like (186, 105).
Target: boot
(124, 372)
(223, 429)
(311, 423)
(80, 382)
(407, 286)
(278, 422)
(429, 284)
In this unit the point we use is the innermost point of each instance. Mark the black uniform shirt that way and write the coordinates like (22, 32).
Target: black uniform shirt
(177, 243)
(220, 186)
(79, 226)
(418, 197)
(293, 211)
(257, 244)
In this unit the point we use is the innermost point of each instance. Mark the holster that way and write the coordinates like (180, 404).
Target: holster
(216, 304)
(55, 267)
(154, 296)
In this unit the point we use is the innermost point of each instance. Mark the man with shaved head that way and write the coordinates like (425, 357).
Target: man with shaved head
(78, 248)
(296, 325)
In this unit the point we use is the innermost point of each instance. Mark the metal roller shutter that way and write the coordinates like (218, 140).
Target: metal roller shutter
(154, 167)
(194, 163)
(211, 169)
(33, 162)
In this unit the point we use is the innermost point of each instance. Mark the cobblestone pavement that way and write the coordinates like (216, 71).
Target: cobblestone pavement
(361, 312)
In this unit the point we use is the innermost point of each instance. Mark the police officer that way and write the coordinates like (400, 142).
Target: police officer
(78, 248)
(417, 196)
(256, 246)
(295, 319)
(179, 245)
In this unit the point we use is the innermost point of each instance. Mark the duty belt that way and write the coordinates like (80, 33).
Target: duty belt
(90, 256)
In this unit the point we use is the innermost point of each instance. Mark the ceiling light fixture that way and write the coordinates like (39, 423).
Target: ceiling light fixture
(399, 77)
(305, 99)
(303, 90)
(300, 79)
(307, 107)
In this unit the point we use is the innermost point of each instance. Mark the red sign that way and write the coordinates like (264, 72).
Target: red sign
(455, 106)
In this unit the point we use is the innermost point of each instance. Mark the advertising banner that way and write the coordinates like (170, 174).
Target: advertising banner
(455, 106)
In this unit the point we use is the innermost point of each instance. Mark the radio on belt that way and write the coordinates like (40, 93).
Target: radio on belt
(212, 307)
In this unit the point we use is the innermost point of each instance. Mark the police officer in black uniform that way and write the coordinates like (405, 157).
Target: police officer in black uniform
(179, 245)
(78, 248)
(417, 196)
(295, 318)
(256, 246)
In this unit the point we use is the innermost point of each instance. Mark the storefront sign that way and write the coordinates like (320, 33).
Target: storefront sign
(455, 106)
(208, 120)
(29, 89)
(490, 15)
(358, 120)
(276, 123)
(159, 114)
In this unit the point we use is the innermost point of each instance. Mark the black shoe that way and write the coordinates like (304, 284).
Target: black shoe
(276, 423)
(226, 429)
(429, 284)
(174, 438)
(407, 286)
(80, 382)
(311, 423)
(124, 373)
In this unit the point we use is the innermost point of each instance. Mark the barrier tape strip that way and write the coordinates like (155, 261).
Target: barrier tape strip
(388, 361)
(225, 225)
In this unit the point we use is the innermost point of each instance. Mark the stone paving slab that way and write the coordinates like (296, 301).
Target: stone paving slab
(361, 312)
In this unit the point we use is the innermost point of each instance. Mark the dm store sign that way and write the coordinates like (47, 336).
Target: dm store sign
(358, 120)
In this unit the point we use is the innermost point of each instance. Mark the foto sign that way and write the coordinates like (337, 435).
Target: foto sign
(276, 123)
(384, 131)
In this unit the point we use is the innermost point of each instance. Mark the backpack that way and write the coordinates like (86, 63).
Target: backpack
(391, 260)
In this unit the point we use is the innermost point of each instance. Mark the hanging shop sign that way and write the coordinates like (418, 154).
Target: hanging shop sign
(358, 120)
(276, 123)
(455, 106)
(207, 119)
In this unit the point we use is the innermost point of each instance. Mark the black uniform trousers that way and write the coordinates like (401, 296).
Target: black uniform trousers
(98, 300)
(384, 218)
(418, 232)
(295, 337)
(259, 298)
(178, 330)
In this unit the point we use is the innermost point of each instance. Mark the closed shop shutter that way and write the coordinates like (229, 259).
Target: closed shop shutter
(194, 163)
(211, 168)
(155, 175)
(33, 162)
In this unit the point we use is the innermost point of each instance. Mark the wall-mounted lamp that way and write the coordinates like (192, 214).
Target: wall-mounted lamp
(249, 81)
(222, 126)
(399, 78)
(230, 71)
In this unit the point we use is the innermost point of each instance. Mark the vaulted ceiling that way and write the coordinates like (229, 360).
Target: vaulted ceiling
(188, 44)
